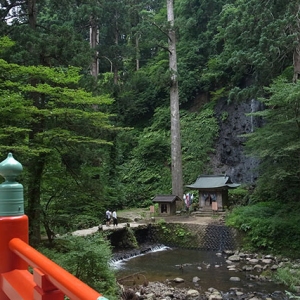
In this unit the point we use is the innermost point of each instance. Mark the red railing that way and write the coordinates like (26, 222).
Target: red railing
(48, 281)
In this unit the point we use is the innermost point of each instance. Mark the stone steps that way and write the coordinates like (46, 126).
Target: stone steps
(207, 213)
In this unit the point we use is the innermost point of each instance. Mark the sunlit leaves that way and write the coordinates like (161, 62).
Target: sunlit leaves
(51, 99)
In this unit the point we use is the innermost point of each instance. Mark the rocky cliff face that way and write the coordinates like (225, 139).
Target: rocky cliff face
(229, 156)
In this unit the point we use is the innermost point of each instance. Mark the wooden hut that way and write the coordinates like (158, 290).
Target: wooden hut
(166, 204)
(213, 191)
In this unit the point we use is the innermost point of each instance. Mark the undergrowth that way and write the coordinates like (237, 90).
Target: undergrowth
(268, 227)
(288, 276)
(87, 259)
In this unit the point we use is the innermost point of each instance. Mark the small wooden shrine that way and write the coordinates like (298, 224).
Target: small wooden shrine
(166, 204)
(213, 190)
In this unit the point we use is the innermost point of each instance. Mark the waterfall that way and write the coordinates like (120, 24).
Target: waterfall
(122, 257)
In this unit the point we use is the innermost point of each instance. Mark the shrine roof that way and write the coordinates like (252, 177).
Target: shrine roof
(212, 181)
(166, 198)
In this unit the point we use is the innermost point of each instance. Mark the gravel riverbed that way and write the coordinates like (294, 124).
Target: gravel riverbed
(166, 291)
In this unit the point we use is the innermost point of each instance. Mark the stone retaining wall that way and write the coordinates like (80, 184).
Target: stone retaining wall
(195, 236)
(190, 236)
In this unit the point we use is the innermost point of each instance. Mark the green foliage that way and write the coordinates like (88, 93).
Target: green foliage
(128, 240)
(221, 93)
(60, 110)
(67, 204)
(199, 131)
(253, 43)
(87, 258)
(196, 22)
(268, 226)
(174, 234)
(152, 147)
(224, 116)
(41, 122)
(239, 196)
(148, 171)
(137, 99)
(6, 43)
(77, 163)
(277, 144)
(289, 276)
(162, 222)
(291, 295)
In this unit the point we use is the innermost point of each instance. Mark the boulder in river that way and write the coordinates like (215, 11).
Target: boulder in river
(192, 294)
(235, 279)
(178, 280)
(234, 258)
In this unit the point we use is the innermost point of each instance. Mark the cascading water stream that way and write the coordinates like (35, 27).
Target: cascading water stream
(119, 258)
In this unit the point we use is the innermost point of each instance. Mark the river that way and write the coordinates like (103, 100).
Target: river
(210, 267)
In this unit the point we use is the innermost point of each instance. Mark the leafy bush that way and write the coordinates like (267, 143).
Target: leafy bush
(238, 196)
(269, 226)
(173, 234)
(84, 221)
(87, 258)
(288, 276)
(64, 223)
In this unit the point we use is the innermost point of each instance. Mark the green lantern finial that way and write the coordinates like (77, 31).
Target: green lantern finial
(11, 192)
(10, 168)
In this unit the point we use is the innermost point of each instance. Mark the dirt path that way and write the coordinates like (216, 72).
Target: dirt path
(140, 216)
(143, 215)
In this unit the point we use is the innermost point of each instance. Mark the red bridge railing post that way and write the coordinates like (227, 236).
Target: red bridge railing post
(13, 221)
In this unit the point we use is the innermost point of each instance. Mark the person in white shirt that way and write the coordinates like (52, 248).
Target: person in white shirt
(115, 218)
(108, 217)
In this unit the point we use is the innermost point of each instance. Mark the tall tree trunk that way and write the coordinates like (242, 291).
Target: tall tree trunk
(296, 63)
(137, 51)
(32, 13)
(116, 68)
(36, 167)
(94, 40)
(177, 181)
(296, 54)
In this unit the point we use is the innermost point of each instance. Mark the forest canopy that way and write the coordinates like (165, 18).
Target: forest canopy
(85, 98)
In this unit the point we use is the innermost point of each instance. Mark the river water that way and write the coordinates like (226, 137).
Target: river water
(210, 267)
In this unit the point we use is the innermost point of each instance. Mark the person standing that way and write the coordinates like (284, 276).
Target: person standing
(108, 217)
(115, 218)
